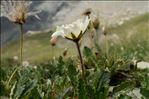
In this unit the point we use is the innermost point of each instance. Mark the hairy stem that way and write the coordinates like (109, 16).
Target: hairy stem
(107, 47)
(53, 53)
(21, 44)
(81, 60)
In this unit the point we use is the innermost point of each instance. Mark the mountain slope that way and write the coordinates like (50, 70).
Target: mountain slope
(37, 47)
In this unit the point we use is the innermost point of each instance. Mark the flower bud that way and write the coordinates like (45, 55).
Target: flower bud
(87, 12)
(65, 52)
(97, 55)
(96, 23)
(15, 58)
(20, 19)
(53, 41)
(104, 31)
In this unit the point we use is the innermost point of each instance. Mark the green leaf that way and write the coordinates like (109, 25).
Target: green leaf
(124, 97)
(2, 89)
(144, 92)
(12, 93)
(90, 60)
(90, 91)
(102, 94)
(60, 66)
(124, 86)
(64, 93)
(97, 47)
(35, 94)
(2, 74)
(29, 86)
(81, 90)
(87, 52)
(102, 83)
(16, 90)
(72, 73)
(103, 80)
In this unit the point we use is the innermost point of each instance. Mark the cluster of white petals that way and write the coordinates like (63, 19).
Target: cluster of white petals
(17, 10)
(143, 65)
(25, 63)
(76, 29)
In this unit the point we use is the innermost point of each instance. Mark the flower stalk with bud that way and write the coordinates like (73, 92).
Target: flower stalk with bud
(88, 12)
(17, 12)
(106, 41)
(74, 32)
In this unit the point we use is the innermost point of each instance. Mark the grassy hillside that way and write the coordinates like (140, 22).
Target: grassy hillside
(109, 72)
(37, 47)
(134, 35)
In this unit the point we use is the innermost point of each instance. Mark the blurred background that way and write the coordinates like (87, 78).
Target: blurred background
(60, 12)
(122, 17)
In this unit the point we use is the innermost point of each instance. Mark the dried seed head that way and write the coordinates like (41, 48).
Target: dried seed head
(104, 30)
(21, 19)
(65, 52)
(15, 58)
(96, 23)
(97, 55)
(120, 62)
(17, 10)
(53, 41)
(87, 12)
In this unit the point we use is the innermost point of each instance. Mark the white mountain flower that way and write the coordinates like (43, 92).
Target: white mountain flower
(73, 31)
(143, 65)
(15, 58)
(17, 11)
(25, 63)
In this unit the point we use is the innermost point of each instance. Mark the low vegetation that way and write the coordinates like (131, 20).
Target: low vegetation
(112, 75)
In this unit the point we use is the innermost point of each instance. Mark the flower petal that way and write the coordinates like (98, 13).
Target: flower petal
(72, 31)
(85, 22)
(143, 65)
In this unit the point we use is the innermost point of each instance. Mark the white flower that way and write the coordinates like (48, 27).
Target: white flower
(143, 65)
(35, 67)
(25, 63)
(73, 31)
(17, 11)
(135, 93)
(15, 58)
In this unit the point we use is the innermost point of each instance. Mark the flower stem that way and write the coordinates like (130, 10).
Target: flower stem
(21, 44)
(107, 48)
(52, 52)
(81, 60)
